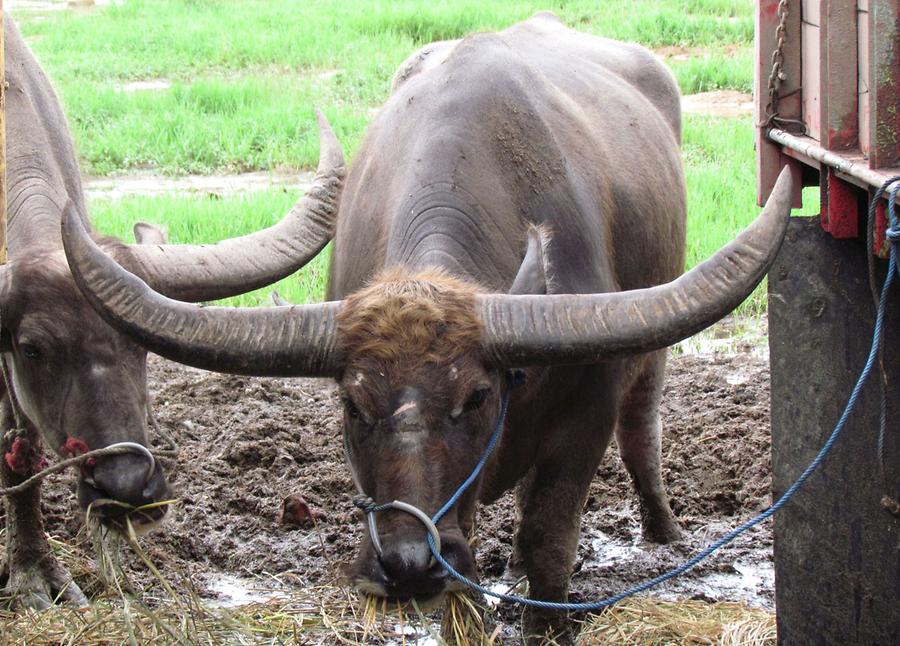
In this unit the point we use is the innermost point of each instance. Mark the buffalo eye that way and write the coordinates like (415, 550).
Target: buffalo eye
(476, 399)
(30, 351)
(352, 411)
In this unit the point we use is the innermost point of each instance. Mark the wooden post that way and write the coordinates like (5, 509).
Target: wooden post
(837, 565)
(2, 140)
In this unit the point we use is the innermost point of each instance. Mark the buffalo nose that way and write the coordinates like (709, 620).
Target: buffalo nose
(127, 478)
(406, 560)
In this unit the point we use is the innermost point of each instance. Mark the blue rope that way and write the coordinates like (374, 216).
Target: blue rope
(892, 234)
(495, 436)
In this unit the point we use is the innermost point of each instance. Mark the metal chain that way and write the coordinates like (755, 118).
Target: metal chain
(777, 76)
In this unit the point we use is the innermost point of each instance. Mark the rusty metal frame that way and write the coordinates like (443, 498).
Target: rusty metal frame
(842, 68)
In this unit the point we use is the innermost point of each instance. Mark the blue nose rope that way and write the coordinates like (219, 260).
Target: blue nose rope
(893, 235)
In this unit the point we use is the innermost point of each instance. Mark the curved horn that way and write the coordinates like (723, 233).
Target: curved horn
(239, 265)
(269, 341)
(586, 328)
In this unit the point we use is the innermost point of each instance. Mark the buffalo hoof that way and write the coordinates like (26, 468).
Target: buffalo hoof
(658, 523)
(39, 586)
(661, 529)
(546, 627)
(515, 567)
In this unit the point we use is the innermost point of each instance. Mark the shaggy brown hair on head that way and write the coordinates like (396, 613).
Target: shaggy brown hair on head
(429, 315)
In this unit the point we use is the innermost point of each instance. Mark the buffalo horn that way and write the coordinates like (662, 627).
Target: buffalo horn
(238, 265)
(522, 330)
(297, 340)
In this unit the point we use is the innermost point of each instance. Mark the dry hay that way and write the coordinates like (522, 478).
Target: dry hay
(176, 614)
(651, 622)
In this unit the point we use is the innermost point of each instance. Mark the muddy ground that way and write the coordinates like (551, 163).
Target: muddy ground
(247, 443)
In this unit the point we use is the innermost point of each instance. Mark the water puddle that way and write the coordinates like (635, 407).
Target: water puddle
(408, 635)
(148, 184)
(730, 337)
(232, 592)
(742, 571)
(751, 583)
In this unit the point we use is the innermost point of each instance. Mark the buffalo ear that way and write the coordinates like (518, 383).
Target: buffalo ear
(277, 300)
(146, 233)
(533, 276)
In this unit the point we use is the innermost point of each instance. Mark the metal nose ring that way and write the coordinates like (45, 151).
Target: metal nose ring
(140, 448)
(409, 509)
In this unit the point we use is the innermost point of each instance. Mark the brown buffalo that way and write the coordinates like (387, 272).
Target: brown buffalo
(80, 384)
(536, 142)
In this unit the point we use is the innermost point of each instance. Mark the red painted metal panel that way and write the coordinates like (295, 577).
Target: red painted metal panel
(812, 62)
(862, 52)
(840, 207)
(884, 84)
(839, 99)
(878, 246)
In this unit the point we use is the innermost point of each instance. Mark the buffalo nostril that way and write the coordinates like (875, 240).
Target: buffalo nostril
(156, 488)
(125, 478)
(406, 560)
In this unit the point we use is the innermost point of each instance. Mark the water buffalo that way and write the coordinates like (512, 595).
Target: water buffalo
(78, 383)
(519, 202)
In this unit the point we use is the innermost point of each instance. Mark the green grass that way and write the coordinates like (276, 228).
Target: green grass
(246, 75)
(211, 125)
(200, 219)
(719, 69)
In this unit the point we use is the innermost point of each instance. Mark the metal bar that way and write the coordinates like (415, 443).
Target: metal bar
(809, 148)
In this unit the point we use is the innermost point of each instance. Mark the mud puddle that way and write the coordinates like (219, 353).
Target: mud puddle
(57, 5)
(718, 103)
(230, 591)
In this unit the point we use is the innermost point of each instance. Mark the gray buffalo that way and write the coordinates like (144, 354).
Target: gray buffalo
(77, 383)
(519, 202)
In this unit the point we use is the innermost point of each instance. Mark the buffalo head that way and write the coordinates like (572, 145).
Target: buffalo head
(83, 384)
(419, 406)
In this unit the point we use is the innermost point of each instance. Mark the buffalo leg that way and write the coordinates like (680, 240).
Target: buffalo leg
(639, 435)
(551, 501)
(34, 578)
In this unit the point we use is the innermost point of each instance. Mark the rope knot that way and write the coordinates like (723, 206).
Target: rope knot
(365, 504)
(12, 434)
(892, 233)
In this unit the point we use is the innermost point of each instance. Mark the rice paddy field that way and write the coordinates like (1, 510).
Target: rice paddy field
(199, 115)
